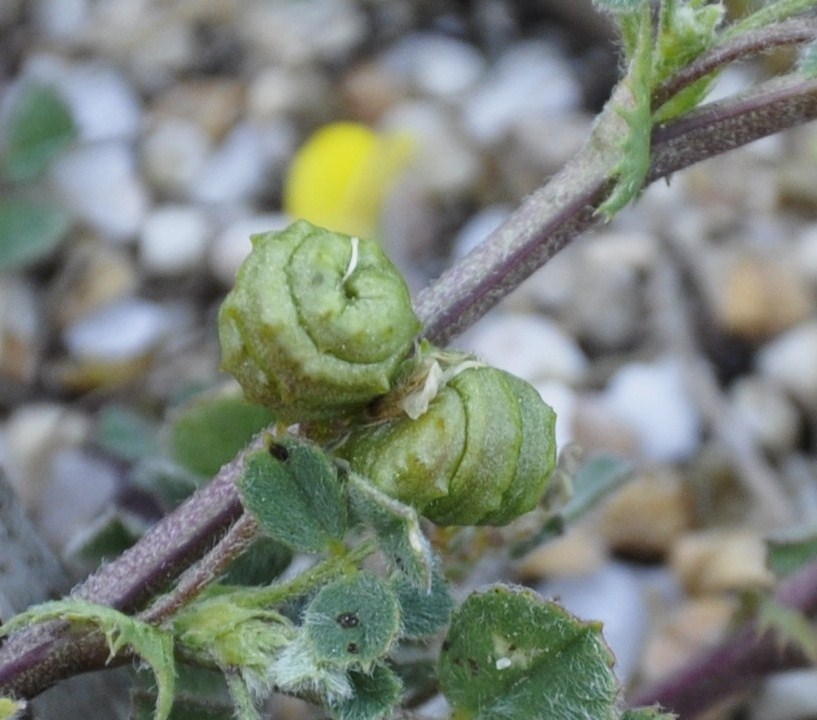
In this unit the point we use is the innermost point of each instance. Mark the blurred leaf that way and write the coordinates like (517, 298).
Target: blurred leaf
(108, 537)
(39, 127)
(509, 654)
(211, 429)
(260, 565)
(10, 708)
(397, 528)
(790, 625)
(596, 479)
(293, 491)
(201, 694)
(126, 434)
(373, 695)
(423, 612)
(352, 621)
(168, 482)
(784, 555)
(29, 231)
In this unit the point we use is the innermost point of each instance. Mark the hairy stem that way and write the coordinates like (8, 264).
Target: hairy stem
(739, 662)
(34, 659)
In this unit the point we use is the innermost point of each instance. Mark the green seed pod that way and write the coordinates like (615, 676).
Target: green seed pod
(480, 454)
(316, 324)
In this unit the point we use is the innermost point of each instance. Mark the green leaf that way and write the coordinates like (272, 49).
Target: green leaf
(241, 694)
(29, 231)
(293, 491)
(397, 527)
(374, 694)
(423, 612)
(153, 645)
(807, 64)
(107, 537)
(126, 434)
(39, 127)
(788, 553)
(509, 654)
(260, 565)
(596, 479)
(647, 713)
(353, 622)
(10, 708)
(208, 432)
(168, 482)
(791, 626)
(201, 694)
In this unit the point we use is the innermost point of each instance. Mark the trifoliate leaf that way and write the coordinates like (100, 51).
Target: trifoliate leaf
(29, 231)
(39, 127)
(153, 645)
(374, 694)
(293, 491)
(208, 432)
(397, 527)
(510, 654)
(353, 621)
(423, 612)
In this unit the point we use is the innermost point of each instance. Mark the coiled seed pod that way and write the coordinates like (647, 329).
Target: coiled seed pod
(316, 324)
(480, 454)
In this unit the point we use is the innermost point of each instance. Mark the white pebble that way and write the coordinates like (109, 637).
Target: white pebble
(652, 398)
(478, 227)
(122, 331)
(766, 411)
(614, 595)
(790, 359)
(103, 104)
(533, 347)
(235, 170)
(443, 163)
(805, 252)
(99, 183)
(434, 64)
(76, 491)
(786, 696)
(232, 246)
(173, 240)
(562, 398)
(531, 79)
(174, 153)
(60, 18)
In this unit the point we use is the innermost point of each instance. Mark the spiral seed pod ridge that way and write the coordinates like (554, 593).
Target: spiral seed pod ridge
(317, 324)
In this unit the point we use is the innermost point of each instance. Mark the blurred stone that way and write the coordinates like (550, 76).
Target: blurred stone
(444, 163)
(478, 227)
(754, 295)
(596, 428)
(805, 252)
(93, 274)
(60, 18)
(533, 347)
(769, 415)
(122, 331)
(653, 400)
(369, 91)
(790, 695)
(435, 64)
(278, 91)
(531, 79)
(213, 104)
(21, 328)
(644, 518)
(790, 360)
(232, 246)
(797, 184)
(173, 240)
(174, 152)
(711, 562)
(100, 184)
(33, 433)
(577, 552)
(691, 628)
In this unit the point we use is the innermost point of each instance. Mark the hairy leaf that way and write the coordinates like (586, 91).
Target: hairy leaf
(423, 612)
(374, 694)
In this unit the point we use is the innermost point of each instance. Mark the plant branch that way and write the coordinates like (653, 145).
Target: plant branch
(35, 658)
(739, 662)
(789, 32)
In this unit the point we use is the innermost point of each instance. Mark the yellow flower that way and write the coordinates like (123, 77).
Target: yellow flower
(339, 177)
